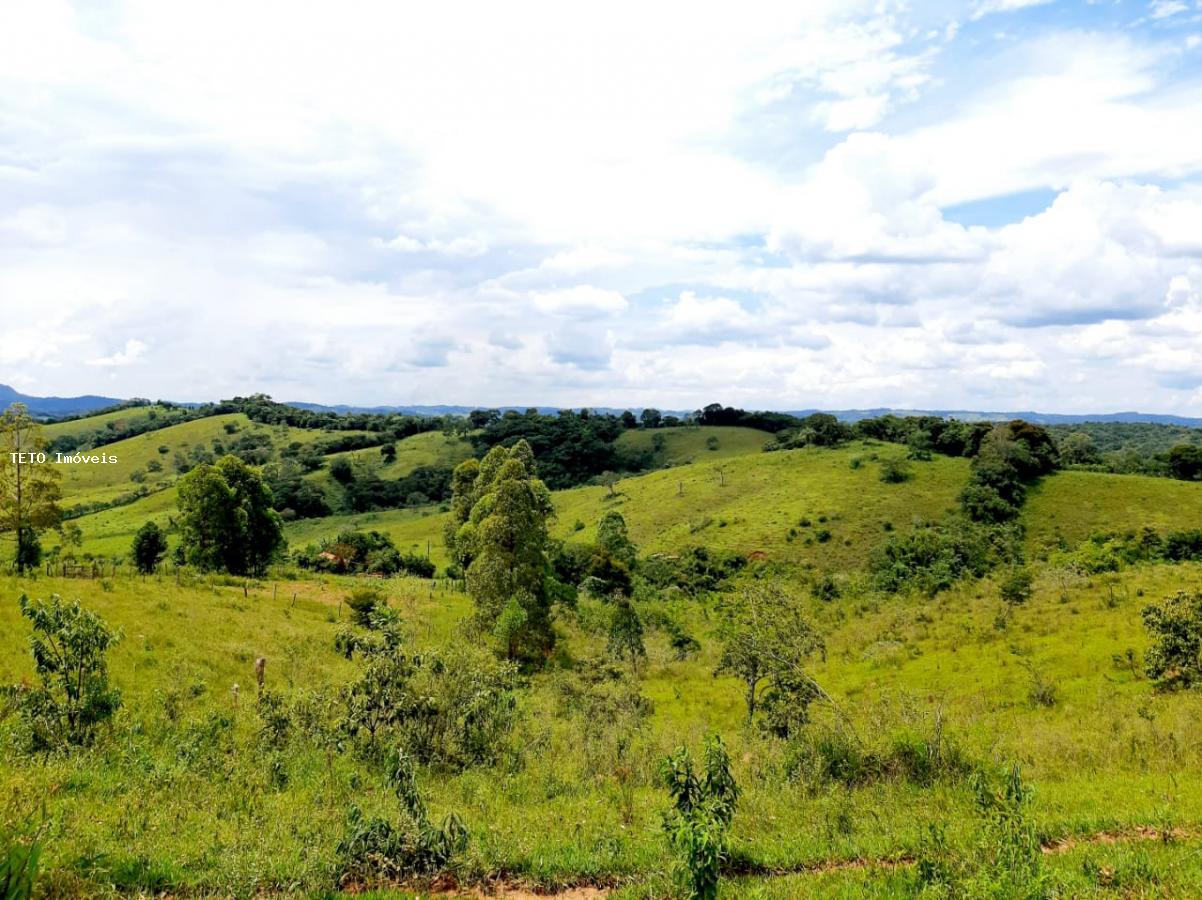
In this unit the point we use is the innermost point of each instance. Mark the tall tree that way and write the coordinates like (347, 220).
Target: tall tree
(29, 490)
(498, 537)
(226, 518)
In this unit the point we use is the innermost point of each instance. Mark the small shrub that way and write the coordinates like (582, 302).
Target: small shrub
(703, 805)
(822, 535)
(895, 471)
(1017, 586)
(376, 848)
(362, 602)
(69, 644)
(1175, 625)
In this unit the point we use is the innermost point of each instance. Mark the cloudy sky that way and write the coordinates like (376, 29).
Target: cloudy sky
(990, 205)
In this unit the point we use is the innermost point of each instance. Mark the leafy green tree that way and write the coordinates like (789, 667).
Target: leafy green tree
(1185, 462)
(29, 549)
(29, 489)
(614, 539)
(1175, 625)
(650, 418)
(388, 453)
(703, 805)
(1017, 586)
(626, 634)
(227, 520)
(69, 644)
(1078, 449)
(149, 547)
(498, 537)
(765, 641)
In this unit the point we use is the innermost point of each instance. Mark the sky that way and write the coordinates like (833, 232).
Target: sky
(990, 205)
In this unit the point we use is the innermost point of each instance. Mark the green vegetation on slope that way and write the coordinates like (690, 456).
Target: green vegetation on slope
(693, 443)
(1067, 507)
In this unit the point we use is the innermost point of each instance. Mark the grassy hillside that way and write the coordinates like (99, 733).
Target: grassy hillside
(146, 811)
(98, 483)
(688, 444)
(1070, 506)
(747, 503)
(113, 421)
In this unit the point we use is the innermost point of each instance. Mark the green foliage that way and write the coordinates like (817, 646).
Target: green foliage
(931, 559)
(498, 535)
(694, 570)
(29, 490)
(509, 626)
(226, 518)
(1010, 859)
(362, 602)
(895, 471)
(614, 539)
(816, 430)
(920, 756)
(20, 853)
(149, 547)
(626, 633)
(74, 698)
(1175, 626)
(703, 805)
(1016, 586)
(1185, 462)
(1010, 456)
(765, 642)
(451, 708)
(377, 848)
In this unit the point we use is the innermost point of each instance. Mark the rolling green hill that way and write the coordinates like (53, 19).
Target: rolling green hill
(688, 444)
(1070, 506)
(746, 503)
(110, 422)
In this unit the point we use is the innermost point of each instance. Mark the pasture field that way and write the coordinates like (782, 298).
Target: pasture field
(196, 789)
(109, 421)
(752, 502)
(1069, 506)
(183, 794)
(684, 444)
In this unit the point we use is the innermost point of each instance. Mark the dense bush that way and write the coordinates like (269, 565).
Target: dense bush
(694, 570)
(452, 708)
(931, 559)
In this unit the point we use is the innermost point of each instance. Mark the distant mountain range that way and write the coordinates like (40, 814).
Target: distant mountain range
(58, 407)
(54, 407)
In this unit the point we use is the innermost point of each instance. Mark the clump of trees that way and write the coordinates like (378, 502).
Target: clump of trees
(362, 552)
(227, 521)
(73, 699)
(931, 558)
(497, 535)
(1009, 457)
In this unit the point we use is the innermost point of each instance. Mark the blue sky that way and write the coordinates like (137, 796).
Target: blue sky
(994, 204)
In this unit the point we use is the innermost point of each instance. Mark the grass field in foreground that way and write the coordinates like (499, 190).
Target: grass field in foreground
(184, 796)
